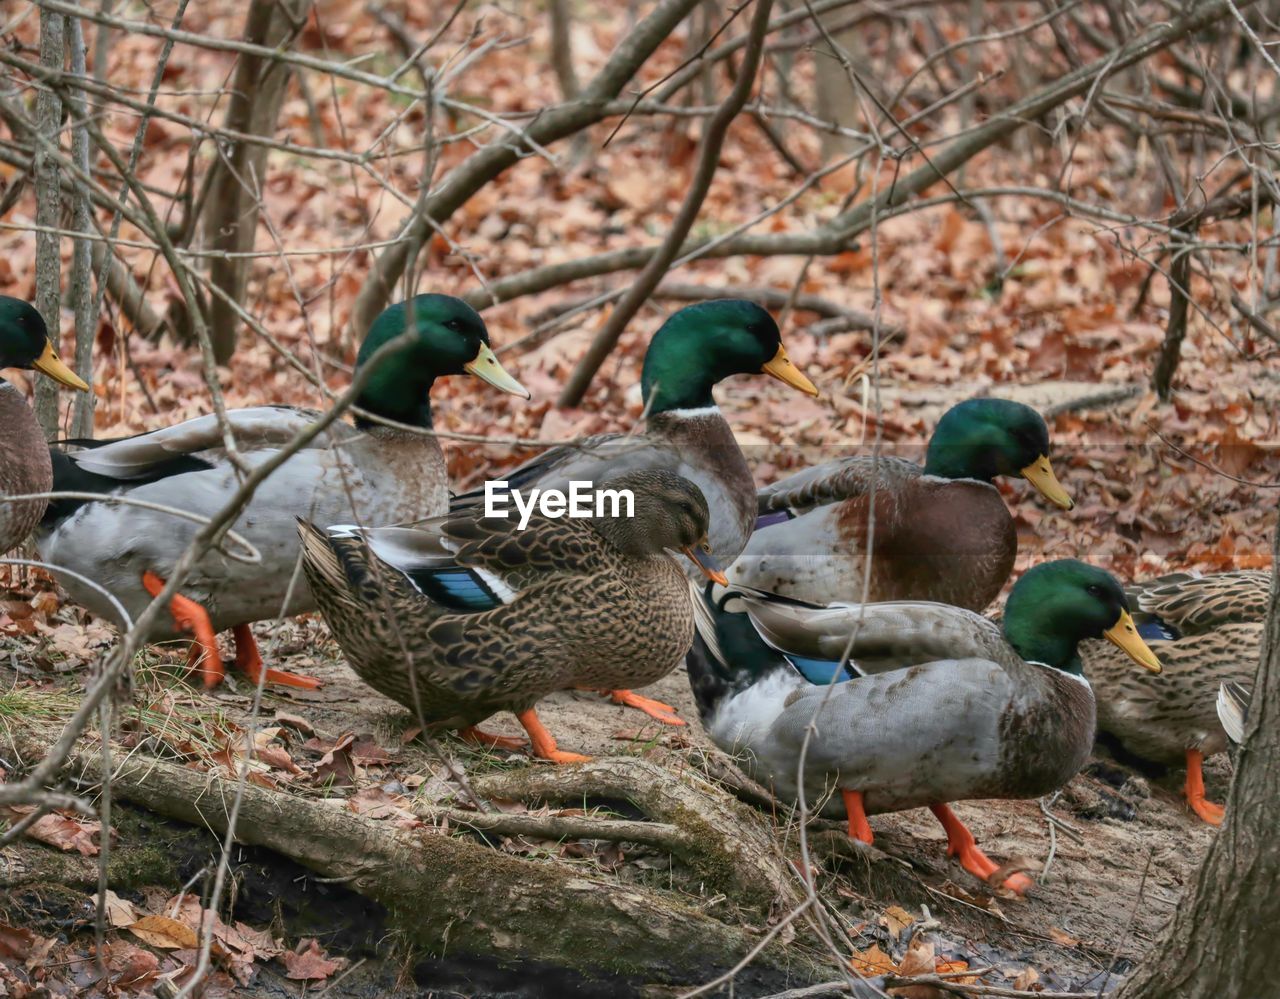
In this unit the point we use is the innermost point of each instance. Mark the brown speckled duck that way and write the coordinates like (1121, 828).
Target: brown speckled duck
(371, 473)
(24, 455)
(942, 532)
(494, 618)
(695, 349)
(1207, 631)
(937, 704)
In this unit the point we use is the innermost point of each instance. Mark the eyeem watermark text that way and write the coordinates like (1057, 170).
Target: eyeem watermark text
(581, 501)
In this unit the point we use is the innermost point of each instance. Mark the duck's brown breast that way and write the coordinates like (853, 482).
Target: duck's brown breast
(24, 467)
(950, 541)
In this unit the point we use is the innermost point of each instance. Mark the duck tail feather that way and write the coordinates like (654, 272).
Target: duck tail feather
(1233, 709)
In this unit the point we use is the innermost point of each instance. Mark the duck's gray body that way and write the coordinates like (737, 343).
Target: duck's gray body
(378, 477)
(947, 711)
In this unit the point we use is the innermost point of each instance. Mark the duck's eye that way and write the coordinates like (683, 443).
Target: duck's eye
(1094, 590)
(454, 324)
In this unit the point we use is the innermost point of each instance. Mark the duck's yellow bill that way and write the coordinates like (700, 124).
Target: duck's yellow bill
(51, 364)
(782, 369)
(487, 368)
(703, 560)
(1124, 636)
(1040, 474)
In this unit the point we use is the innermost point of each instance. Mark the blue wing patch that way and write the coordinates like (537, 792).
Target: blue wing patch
(819, 672)
(773, 517)
(456, 587)
(1154, 630)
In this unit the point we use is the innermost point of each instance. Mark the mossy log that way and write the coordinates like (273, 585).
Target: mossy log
(444, 891)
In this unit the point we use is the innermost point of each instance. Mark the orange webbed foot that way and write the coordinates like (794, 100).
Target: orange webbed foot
(656, 710)
(190, 616)
(962, 846)
(1194, 790)
(542, 742)
(249, 662)
(859, 827)
(478, 737)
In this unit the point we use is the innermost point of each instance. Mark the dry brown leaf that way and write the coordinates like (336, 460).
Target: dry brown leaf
(1062, 937)
(872, 961)
(296, 722)
(309, 962)
(1027, 977)
(16, 942)
(66, 833)
(119, 911)
(166, 933)
(918, 960)
(896, 919)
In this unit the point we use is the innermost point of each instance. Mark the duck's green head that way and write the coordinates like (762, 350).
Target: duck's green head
(983, 438)
(705, 343)
(1055, 606)
(450, 339)
(25, 343)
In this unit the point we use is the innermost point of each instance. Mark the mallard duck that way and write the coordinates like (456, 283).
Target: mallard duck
(696, 348)
(370, 473)
(494, 618)
(24, 456)
(1208, 631)
(935, 705)
(942, 532)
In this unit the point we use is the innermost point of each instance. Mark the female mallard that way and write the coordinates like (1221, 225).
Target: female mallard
(685, 432)
(942, 706)
(371, 473)
(942, 532)
(1208, 631)
(24, 456)
(471, 615)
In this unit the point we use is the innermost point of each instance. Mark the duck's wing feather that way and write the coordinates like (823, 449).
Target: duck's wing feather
(874, 731)
(878, 637)
(835, 481)
(139, 456)
(1233, 709)
(1193, 603)
(477, 563)
(593, 459)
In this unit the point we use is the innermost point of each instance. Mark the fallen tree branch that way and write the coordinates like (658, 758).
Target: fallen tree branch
(451, 892)
(727, 845)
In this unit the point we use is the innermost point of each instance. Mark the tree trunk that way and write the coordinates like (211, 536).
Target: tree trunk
(82, 253)
(49, 211)
(1221, 941)
(231, 216)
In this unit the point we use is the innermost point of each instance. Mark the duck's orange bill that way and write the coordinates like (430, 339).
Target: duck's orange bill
(700, 557)
(1040, 474)
(782, 369)
(51, 364)
(1124, 636)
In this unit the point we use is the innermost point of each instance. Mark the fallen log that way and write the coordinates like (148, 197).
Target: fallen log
(448, 892)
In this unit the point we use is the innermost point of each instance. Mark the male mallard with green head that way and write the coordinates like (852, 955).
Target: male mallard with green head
(24, 456)
(1208, 632)
(371, 473)
(936, 704)
(470, 615)
(685, 432)
(942, 532)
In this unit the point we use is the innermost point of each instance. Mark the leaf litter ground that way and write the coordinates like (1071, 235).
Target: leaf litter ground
(1067, 320)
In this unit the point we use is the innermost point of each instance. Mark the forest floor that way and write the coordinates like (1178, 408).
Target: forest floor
(1025, 300)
